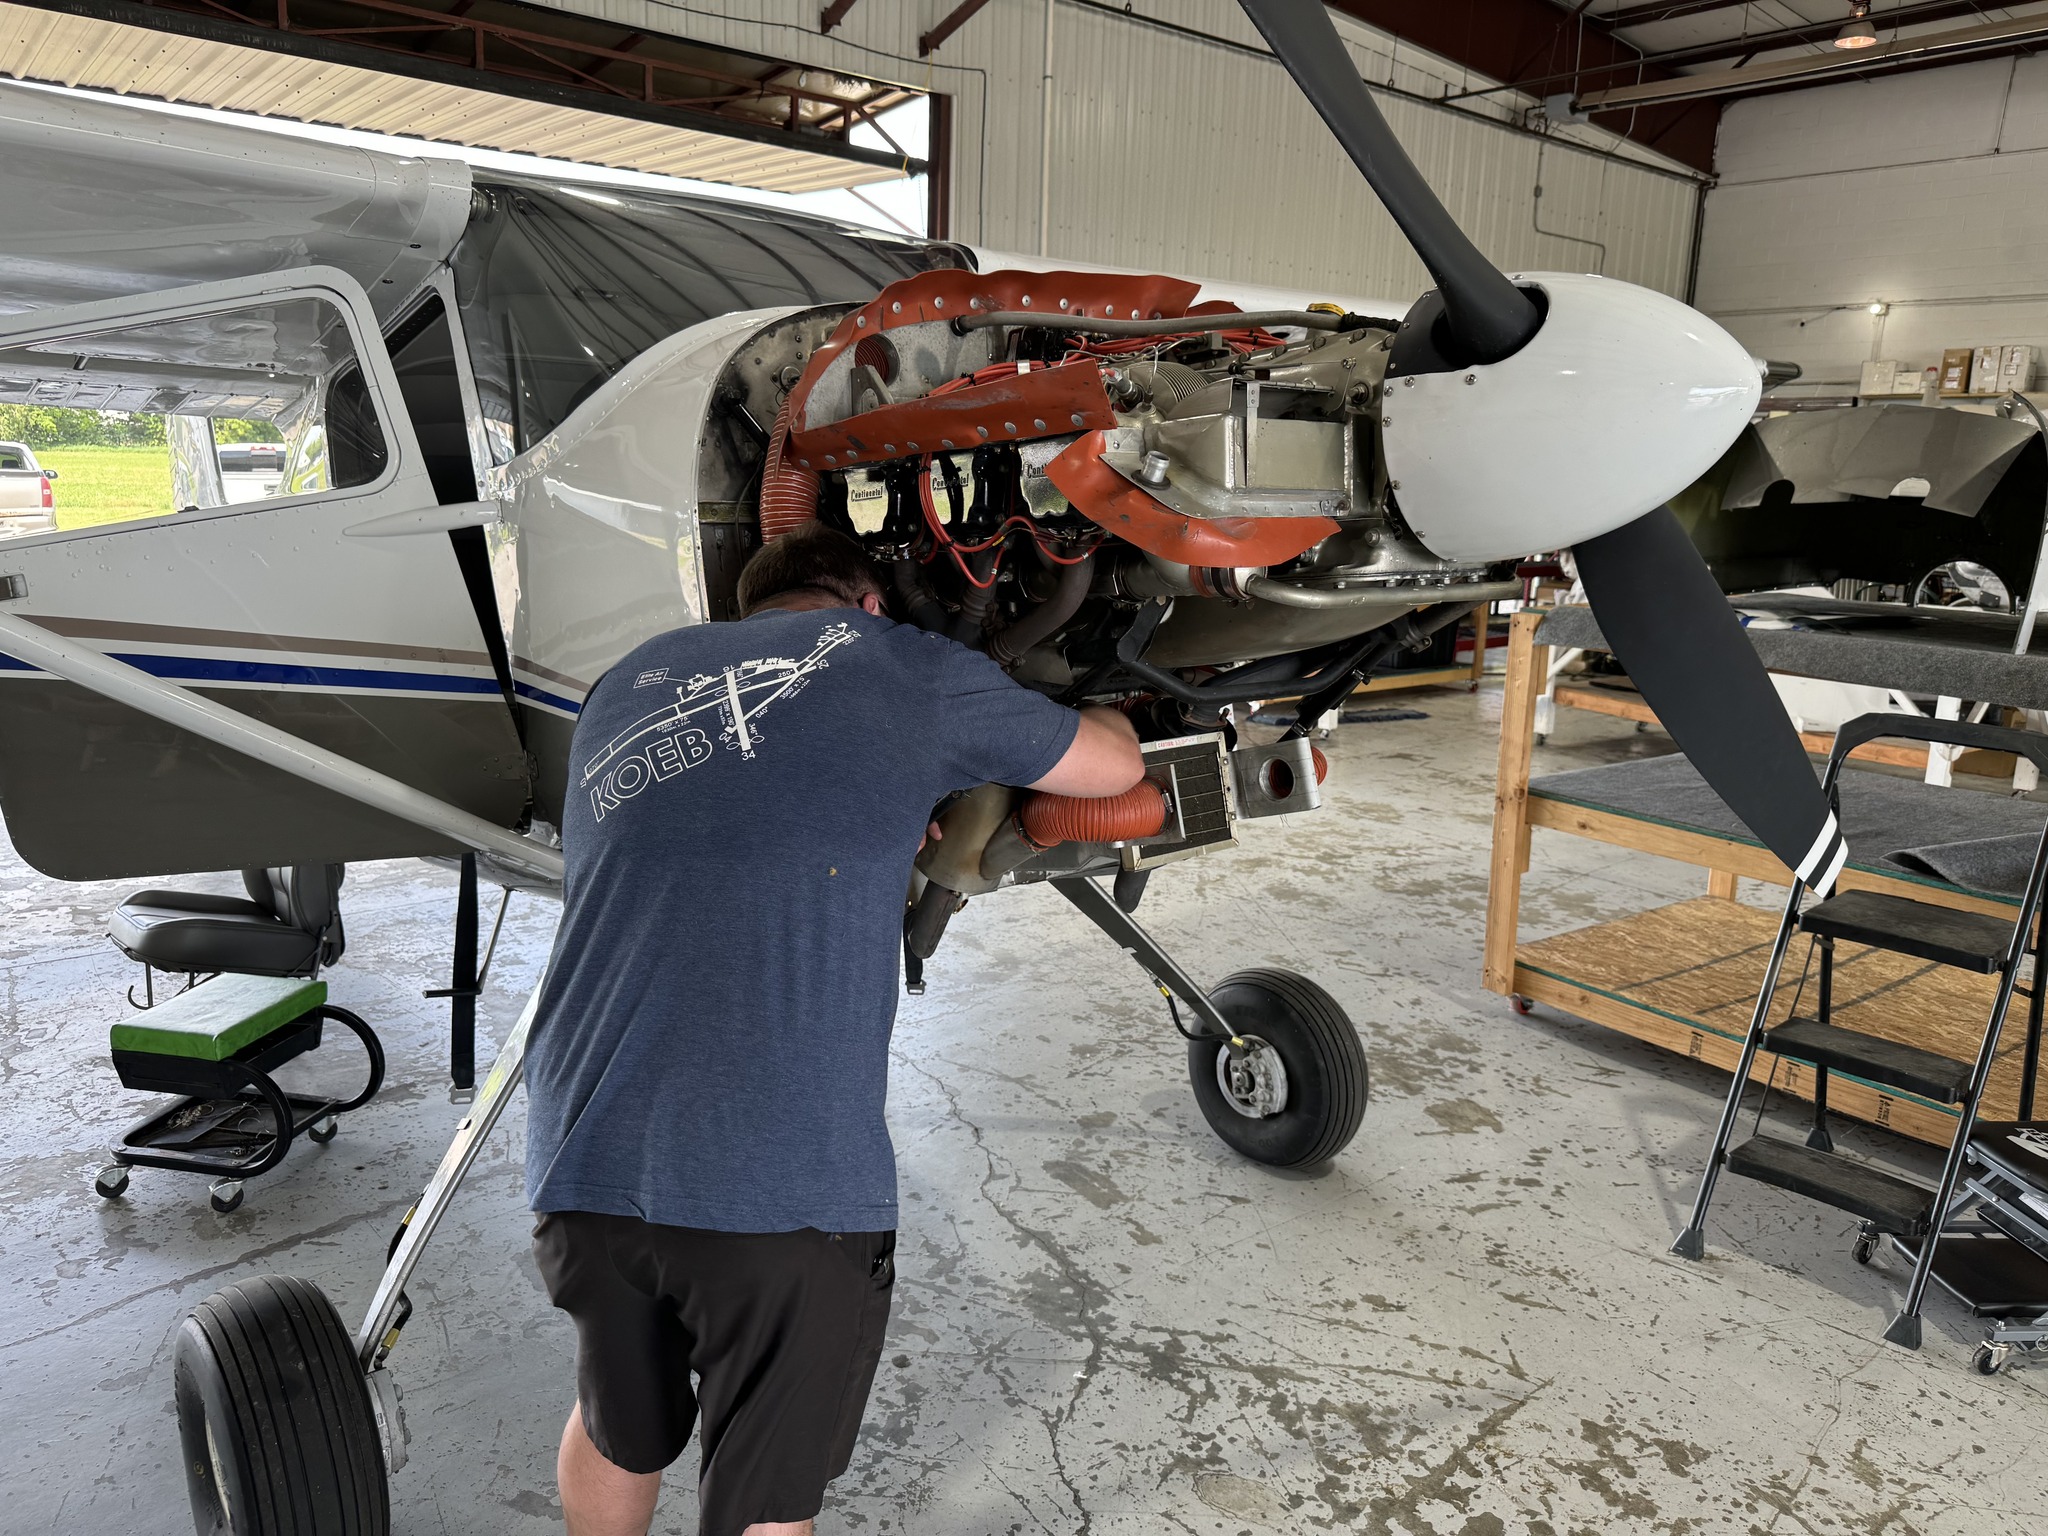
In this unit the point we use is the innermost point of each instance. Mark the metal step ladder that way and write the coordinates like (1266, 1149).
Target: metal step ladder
(1885, 1204)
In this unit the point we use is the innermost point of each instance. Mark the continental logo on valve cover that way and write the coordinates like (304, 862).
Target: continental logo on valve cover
(710, 711)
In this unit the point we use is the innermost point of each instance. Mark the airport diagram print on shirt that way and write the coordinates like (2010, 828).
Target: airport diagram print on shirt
(709, 711)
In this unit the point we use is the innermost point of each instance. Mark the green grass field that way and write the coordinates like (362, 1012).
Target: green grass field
(108, 485)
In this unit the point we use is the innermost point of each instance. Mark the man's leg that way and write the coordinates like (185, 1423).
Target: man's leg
(598, 1498)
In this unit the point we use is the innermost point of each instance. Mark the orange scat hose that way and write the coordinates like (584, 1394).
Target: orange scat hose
(1322, 763)
(1139, 811)
(789, 492)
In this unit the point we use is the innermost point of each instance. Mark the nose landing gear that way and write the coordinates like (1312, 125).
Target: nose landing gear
(1276, 1066)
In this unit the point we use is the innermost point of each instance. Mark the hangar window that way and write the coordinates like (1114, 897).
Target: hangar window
(560, 286)
(194, 413)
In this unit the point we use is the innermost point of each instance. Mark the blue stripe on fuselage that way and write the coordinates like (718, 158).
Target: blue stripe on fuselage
(195, 669)
(542, 696)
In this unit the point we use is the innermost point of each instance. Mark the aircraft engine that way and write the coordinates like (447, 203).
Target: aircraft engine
(1043, 463)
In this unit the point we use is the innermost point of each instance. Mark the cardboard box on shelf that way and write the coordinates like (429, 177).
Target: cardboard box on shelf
(1880, 377)
(2016, 367)
(1955, 371)
(1984, 368)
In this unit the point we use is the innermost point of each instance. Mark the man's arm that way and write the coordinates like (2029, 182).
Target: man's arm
(1104, 759)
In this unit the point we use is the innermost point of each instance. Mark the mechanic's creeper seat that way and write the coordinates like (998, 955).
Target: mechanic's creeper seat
(215, 1046)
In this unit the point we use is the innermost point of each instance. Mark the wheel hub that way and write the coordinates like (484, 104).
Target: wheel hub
(1254, 1081)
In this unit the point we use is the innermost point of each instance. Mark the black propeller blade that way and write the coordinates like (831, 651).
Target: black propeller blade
(1487, 318)
(1657, 603)
(1681, 644)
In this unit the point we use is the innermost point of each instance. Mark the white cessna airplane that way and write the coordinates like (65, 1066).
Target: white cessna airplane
(533, 423)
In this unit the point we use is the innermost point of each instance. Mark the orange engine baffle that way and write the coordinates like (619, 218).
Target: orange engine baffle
(983, 403)
(912, 318)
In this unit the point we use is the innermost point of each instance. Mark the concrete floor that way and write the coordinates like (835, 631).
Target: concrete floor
(1106, 1322)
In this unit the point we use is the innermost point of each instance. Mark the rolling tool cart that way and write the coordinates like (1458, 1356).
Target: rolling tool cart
(1888, 1205)
(216, 1046)
(1993, 1255)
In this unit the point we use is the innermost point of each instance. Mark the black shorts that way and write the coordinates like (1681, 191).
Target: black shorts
(783, 1331)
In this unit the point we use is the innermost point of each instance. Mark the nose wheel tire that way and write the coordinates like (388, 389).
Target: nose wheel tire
(1294, 1096)
(274, 1416)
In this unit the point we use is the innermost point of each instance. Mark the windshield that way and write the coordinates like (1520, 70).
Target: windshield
(560, 287)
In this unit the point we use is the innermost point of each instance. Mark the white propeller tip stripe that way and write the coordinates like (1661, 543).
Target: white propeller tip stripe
(1825, 885)
(1830, 834)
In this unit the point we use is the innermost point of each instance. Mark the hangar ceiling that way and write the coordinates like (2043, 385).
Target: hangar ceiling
(489, 75)
(1656, 70)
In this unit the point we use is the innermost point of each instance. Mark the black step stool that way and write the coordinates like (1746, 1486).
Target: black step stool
(1888, 1206)
(215, 1046)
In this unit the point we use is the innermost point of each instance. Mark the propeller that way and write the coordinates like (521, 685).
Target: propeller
(1485, 316)
(1587, 476)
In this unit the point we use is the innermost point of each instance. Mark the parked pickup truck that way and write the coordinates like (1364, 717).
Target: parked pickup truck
(27, 503)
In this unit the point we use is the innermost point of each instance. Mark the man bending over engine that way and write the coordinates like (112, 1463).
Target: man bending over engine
(706, 1149)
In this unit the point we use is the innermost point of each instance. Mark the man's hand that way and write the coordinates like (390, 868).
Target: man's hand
(1103, 761)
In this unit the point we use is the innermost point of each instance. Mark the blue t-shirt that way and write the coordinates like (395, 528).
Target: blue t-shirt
(745, 800)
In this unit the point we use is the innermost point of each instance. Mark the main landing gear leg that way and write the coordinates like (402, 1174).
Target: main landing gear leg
(290, 1428)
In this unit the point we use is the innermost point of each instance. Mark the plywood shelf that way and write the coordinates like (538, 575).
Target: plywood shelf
(1685, 977)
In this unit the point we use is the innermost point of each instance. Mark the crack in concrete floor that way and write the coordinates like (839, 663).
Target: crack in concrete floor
(1106, 1322)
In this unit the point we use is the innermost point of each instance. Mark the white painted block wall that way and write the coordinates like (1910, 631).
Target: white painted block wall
(1925, 192)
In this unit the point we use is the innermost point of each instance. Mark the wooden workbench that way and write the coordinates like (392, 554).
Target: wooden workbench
(1685, 976)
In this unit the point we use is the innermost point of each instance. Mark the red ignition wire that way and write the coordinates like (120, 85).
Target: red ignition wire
(944, 539)
(958, 550)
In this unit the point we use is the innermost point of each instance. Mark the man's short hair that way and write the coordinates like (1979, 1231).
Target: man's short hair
(815, 558)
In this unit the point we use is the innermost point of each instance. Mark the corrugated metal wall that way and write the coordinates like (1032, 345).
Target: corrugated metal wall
(1199, 156)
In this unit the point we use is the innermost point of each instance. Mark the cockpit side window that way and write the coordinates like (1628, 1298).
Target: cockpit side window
(196, 412)
(559, 287)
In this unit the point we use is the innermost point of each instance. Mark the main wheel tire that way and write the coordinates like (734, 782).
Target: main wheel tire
(1327, 1083)
(274, 1416)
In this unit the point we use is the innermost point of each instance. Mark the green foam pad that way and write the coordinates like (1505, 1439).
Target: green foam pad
(218, 1018)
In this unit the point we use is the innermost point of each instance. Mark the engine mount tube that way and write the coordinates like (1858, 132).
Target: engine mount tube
(1232, 689)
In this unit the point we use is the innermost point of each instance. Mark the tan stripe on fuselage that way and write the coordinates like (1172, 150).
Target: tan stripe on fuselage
(249, 640)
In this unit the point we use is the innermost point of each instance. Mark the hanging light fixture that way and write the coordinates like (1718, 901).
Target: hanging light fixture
(1859, 33)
